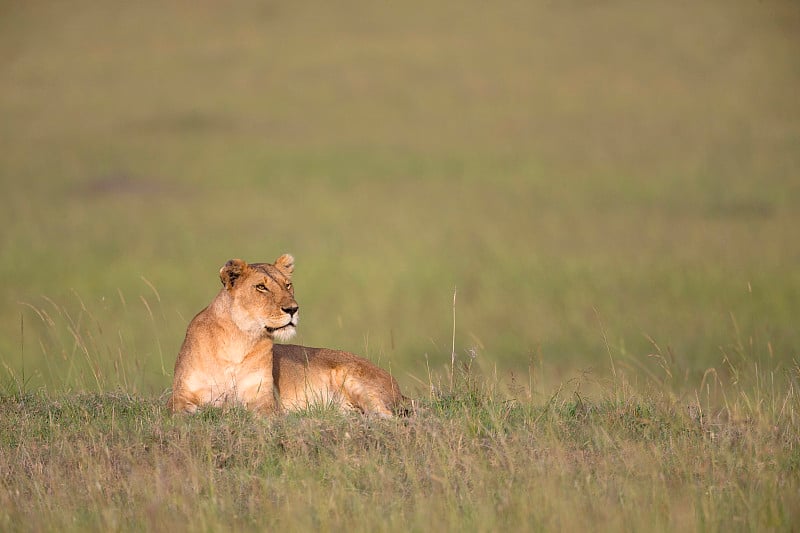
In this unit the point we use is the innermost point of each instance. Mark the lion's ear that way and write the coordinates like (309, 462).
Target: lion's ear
(231, 271)
(285, 264)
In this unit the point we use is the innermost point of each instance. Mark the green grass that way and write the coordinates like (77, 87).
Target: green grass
(468, 458)
(610, 189)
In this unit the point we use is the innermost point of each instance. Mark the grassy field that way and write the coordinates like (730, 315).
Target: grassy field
(467, 459)
(608, 189)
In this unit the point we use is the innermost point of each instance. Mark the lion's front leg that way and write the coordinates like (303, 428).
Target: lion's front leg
(264, 404)
(256, 393)
(182, 404)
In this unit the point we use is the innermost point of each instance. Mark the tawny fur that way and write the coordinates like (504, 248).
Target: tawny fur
(228, 355)
(305, 376)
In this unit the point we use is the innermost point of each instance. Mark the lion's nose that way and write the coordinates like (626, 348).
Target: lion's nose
(291, 309)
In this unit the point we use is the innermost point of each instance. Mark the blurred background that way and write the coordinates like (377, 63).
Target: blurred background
(593, 181)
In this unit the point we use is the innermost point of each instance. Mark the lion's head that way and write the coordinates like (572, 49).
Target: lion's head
(262, 296)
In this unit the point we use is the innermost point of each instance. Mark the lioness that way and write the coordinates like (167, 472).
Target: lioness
(228, 355)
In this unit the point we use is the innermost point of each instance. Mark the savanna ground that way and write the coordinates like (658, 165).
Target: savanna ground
(608, 189)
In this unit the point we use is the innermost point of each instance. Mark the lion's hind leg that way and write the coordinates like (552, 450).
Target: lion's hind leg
(377, 395)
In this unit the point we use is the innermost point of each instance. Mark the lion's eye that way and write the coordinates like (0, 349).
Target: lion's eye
(288, 286)
(261, 287)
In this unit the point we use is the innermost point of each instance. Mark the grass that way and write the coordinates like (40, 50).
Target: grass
(468, 458)
(608, 188)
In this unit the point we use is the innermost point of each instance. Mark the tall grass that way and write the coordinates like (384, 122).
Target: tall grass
(75, 349)
(468, 457)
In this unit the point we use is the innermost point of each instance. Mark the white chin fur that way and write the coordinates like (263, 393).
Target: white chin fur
(285, 334)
